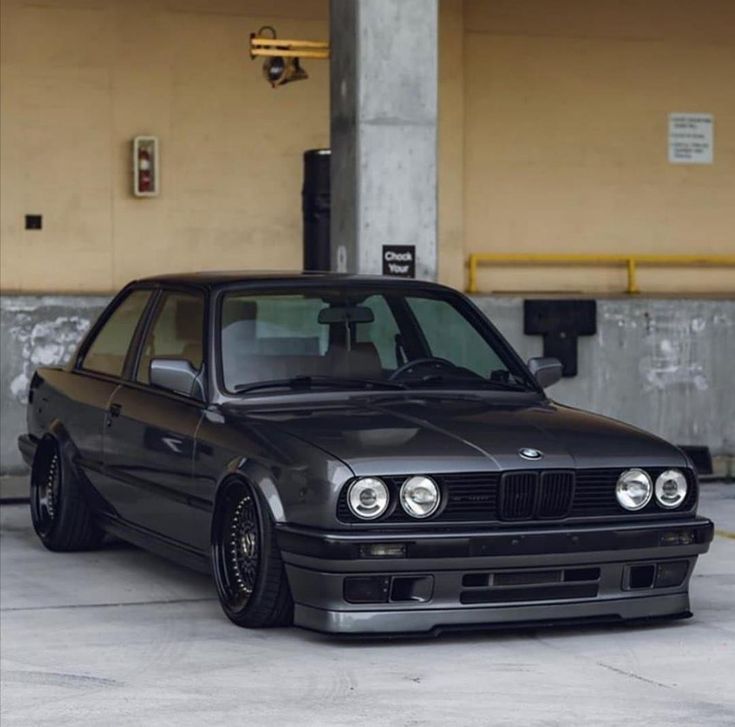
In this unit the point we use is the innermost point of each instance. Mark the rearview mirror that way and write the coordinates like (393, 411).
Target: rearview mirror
(346, 314)
(175, 374)
(545, 369)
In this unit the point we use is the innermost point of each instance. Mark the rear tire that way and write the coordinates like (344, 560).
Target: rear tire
(246, 561)
(60, 513)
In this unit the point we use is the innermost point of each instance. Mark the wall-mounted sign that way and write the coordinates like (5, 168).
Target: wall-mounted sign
(399, 261)
(691, 138)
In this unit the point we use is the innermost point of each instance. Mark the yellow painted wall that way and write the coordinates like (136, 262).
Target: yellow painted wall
(552, 137)
(566, 111)
(81, 79)
(450, 162)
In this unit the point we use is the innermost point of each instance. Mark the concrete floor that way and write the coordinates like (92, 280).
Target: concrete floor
(121, 637)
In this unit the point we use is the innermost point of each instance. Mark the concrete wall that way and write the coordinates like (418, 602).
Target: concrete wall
(663, 365)
(35, 331)
(384, 88)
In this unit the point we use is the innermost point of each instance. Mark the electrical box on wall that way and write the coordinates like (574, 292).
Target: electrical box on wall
(146, 170)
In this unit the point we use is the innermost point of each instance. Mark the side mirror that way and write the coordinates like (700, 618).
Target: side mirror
(175, 374)
(546, 370)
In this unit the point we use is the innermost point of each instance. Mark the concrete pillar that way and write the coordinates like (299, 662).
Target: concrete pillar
(383, 132)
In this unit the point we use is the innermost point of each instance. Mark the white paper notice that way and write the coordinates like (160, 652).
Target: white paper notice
(691, 138)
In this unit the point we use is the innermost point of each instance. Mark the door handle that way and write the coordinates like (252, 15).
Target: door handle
(113, 412)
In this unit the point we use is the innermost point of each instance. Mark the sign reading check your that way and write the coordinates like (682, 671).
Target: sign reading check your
(399, 260)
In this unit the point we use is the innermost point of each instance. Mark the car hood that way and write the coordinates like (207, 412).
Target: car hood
(398, 435)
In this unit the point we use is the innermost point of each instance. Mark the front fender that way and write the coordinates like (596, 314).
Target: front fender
(302, 495)
(257, 476)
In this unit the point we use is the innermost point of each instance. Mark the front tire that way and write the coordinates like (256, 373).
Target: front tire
(60, 513)
(246, 561)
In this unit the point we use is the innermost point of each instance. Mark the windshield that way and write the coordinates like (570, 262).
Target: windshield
(360, 337)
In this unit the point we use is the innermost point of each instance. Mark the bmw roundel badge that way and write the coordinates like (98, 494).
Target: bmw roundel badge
(530, 453)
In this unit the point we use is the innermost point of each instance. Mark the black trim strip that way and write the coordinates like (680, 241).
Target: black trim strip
(340, 546)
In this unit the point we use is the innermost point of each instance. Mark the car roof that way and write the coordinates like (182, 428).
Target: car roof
(233, 278)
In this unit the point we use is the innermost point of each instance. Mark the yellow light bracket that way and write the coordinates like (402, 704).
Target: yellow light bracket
(282, 57)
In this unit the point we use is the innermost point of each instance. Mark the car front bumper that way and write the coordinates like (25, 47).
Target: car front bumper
(484, 578)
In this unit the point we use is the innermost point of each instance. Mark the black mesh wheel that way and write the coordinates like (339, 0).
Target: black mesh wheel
(248, 570)
(60, 513)
(240, 547)
(45, 490)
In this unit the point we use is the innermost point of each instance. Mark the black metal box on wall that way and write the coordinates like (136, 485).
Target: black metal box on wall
(560, 322)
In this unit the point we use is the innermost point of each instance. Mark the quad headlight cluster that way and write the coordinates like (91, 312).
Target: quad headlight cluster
(369, 497)
(635, 488)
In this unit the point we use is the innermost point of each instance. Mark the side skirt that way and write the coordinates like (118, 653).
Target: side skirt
(155, 543)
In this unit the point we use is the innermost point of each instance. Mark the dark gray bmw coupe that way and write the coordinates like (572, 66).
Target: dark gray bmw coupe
(354, 455)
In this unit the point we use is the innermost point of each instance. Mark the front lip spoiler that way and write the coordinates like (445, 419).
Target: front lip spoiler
(430, 622)
(609, 620)
(335, 546)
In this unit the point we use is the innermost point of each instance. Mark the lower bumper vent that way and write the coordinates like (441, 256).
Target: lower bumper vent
(533, 593)
(516, 586)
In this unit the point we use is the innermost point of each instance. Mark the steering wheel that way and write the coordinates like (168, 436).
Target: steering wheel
(433, 362)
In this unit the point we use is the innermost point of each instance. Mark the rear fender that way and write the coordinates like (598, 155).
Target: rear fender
(56, 438)
(58, 434)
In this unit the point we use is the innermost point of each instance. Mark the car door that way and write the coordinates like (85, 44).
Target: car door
(98, 371)
(150, 432)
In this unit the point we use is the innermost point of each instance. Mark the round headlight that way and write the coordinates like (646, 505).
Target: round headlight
(368, 498)
(420, 496)
(634, 489)
(671, 488)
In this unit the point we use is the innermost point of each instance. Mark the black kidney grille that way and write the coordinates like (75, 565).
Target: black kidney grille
(529, 495)
(518, 495)
(555, 494)
(526, 495)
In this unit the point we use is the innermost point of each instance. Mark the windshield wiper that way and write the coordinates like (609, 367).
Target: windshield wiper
(309, 382)
(475, 382)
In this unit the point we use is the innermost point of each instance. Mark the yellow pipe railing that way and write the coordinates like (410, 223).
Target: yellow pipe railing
(630, 261)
